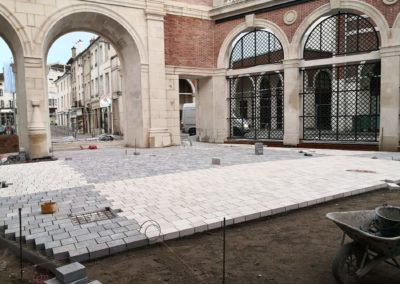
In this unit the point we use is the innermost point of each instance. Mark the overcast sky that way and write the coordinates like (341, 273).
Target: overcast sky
(59, 52)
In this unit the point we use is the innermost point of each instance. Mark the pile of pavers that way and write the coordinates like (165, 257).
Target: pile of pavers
(74, 273)
(56, 235)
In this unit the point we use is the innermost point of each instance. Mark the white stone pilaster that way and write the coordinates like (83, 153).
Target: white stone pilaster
(291, 102)
(159, 135)
(390, 101)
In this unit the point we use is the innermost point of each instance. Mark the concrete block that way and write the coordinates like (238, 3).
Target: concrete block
(95, 282)
(79, 255)
(103, 239)
(116, 246)
(79, 232)
(68, 241)
(62, 252)
(52, 281)
(85, 244)
(71, 272)
(136, 241)
(61, 236)
(87, 237)
(98, 250)
(39, 242)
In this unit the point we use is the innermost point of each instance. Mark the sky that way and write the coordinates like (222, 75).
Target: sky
(60, 51)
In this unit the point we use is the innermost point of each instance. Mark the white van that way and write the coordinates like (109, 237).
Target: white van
(189, 118)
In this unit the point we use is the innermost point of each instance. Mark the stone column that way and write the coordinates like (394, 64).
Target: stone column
(291, 102)
(37, 108)
(390, 102)
(159, 135)
(173, 108)
(212, 109)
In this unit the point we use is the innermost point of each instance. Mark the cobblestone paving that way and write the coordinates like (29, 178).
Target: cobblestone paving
(177, 189)
(121, 164)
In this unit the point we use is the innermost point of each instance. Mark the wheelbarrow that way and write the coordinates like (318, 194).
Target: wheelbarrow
(368, 249)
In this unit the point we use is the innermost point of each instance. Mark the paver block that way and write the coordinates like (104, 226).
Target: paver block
(87, 237)
(71, 272)
(98, 250)
(79, 255)
(95, 282)
(136, 241)
(79, 232)
(61, 253)
(116, 246)
(52, 281)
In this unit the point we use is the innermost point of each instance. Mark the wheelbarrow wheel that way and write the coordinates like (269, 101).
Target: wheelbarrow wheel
(347, 261)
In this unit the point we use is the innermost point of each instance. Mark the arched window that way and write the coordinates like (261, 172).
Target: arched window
(340, 34)
(257, 47)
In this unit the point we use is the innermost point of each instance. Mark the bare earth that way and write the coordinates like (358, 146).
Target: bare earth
(297, 247)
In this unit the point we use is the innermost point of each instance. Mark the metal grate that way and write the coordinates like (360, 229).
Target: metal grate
(341, 103)
(256, 107)
(340, 34)
(93, 216)
(257, 47)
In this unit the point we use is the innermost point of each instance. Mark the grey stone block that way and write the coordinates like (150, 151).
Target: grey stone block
(79, 255)
(71, 272)
(30, 238)
(60, 236)
(95, 282)
(106, 233)
(39, 242)
(136, 241)
(98, 250)
(80, 281)
(117, 236)
(87, 237)
(61, 253)
(103, 239)
(68, 241)
(116, 246)
(79, 232)
(86, 244)
(131, 233)
(97, 228)
(52, 281)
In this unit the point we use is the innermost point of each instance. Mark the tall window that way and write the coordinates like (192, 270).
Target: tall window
(107, 83)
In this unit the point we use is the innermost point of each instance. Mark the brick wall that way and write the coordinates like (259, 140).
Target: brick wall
(8, 144)
(188, 41)
(195, 42)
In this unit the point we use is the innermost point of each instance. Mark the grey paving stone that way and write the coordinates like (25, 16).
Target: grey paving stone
(40, 242)
(116, 246)
(106, 233)
(79, 255)
(61, 236)
(136, 241)
(97, 228)
(87, 237)
(85, 244)
(79, 232)
(98, 250)
(52, 281)
(62, 252)
(70, 272)
(117, 236)
(103, 239)
(68, 241)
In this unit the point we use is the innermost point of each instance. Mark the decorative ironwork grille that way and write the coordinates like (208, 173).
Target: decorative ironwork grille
(93, 216)
(340, 34)
(256, 106)
(257, 47)
(341, 103)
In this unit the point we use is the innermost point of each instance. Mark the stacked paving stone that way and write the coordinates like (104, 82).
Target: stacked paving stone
(74, 273)
(57, 236)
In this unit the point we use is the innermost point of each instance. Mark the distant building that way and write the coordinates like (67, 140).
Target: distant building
(92, 88)
(54, 72)
(6, 104)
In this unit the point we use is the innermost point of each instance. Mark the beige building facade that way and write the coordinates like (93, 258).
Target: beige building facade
(261, 89)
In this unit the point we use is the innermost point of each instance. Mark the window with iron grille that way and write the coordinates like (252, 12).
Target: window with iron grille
(257, 47)
(341, 103)
(340, 34)
(256, 106)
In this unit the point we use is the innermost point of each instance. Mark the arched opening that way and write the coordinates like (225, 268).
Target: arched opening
(13, 106)
(84, 86)
(186, 94)
(256, 100)
(336, 96)
(103, 99)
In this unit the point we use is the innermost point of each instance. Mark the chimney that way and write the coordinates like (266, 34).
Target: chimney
(73, 52)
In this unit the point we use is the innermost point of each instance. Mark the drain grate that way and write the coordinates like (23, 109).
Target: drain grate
(93, 216)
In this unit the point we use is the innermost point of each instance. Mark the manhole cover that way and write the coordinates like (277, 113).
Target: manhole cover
(94, 216)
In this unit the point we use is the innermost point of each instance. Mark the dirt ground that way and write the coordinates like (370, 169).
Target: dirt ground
(296, 247)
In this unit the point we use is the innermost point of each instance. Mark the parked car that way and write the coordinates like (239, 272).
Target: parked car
(189, 118)
(239, 126)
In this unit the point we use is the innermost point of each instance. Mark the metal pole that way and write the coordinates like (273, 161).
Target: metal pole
(20, 240)
(223, 253)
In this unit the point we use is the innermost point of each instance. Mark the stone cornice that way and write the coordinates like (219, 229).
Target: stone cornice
(230, 10)
(187, 10)
(390, 51)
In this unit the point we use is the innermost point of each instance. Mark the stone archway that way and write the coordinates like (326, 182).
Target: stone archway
(13, 34)
(131, 53)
